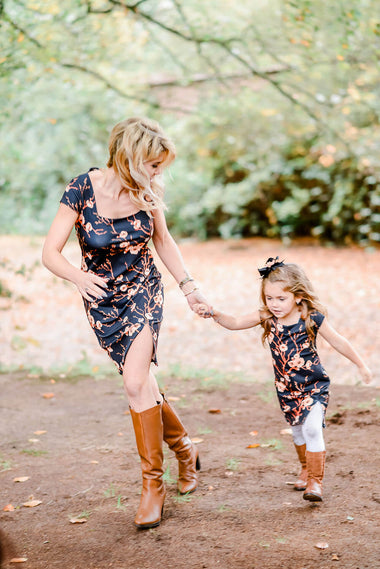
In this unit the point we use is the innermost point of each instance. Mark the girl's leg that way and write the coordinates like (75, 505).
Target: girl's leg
(146, 412)
(315, 453)
(312, 429)
(300, 446)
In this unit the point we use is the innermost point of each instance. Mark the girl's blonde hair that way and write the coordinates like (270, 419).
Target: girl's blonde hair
(294, 280)
(133, 142)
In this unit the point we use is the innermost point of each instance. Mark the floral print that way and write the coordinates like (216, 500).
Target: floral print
(300, 378)
(117, 250)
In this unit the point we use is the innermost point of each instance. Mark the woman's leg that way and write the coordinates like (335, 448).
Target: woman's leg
(146, 412)
(139, 383)
(315, 453)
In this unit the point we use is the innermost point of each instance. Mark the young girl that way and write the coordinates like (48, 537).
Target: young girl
(291, 316)
(116, 211)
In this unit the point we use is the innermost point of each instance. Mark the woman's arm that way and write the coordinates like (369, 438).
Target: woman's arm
(88, 284)
(343, 346)
(170, 255)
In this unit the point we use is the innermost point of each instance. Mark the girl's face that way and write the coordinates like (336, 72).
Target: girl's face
(280, 302)
(154, 167)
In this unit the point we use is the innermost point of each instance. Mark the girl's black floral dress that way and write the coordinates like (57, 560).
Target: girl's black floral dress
(117, 250)
(300, 378)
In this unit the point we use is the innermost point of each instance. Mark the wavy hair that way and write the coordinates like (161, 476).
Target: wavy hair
(135, 141)
(294, 280)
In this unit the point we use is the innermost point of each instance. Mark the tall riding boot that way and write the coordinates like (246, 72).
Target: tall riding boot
(149, 433)
(315, 462)
(186, 453)
(300, 484)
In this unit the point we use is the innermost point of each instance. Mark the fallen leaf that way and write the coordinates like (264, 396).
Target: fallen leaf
(94, 462)
(48, 395)
(253, 446)
(196, 440)
(229, 473)
(39, 432)
(33, 440)
(32, 503)
(286, 432)
(172, 398)
(8, 508)
(127, 412)
(21, 479)
(210, 488)
(214, 411)
(78, 520)
(321, 545)
(19, 559)
(335, 557)
(254, 433)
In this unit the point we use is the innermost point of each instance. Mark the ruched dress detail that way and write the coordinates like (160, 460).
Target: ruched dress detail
(116, 249)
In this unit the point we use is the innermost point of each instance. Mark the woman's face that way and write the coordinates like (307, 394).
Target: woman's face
(154, 167)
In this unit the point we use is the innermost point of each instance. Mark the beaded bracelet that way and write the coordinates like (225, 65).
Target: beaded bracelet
(187, 279)
(194, 289)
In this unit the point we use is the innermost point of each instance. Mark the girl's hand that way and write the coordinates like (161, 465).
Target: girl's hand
(90, 286)
(366, 374)
(203, 310)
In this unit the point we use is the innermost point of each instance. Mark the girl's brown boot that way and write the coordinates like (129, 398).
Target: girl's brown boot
(315, 462)
(300, 484)
(149, 434)
(179, 442)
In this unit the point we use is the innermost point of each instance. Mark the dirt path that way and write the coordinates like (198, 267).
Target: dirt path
(78, 452)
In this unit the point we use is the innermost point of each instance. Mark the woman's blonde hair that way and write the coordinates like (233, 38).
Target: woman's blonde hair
(133, 142)
(294, 280)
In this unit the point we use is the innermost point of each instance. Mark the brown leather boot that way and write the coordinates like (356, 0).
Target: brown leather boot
(300, 484)
(186, 453)
(149, 433)
(315, 462)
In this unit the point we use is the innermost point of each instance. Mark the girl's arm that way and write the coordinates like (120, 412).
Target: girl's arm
(227, 321)
(88, 284)
(170, 255)
(343, 346)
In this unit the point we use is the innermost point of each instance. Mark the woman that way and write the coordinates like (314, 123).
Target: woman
(116, 210)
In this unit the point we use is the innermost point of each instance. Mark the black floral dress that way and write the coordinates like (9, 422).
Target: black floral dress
(300, 378)
(117, 250)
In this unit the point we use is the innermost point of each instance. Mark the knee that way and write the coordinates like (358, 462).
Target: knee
(133, 385)
(313, 432)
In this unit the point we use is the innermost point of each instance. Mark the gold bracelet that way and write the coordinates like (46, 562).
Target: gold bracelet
(187, 279)
(194, 289)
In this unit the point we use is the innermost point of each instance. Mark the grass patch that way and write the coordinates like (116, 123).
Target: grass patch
(33, 452)
(233, 464)
(5, 464)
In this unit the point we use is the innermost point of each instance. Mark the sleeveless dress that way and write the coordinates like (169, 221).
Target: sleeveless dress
(300, 379)
(117, 250)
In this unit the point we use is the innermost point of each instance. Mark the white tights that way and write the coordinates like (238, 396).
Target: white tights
(311, 431)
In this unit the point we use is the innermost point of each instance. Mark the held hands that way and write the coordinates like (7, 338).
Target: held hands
(90, 286)
(203, 310)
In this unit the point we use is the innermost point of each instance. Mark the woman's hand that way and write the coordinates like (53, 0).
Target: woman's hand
(90, 286)
(366, 374)
(195, 299)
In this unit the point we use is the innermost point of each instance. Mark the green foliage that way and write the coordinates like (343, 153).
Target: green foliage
(274, 107)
